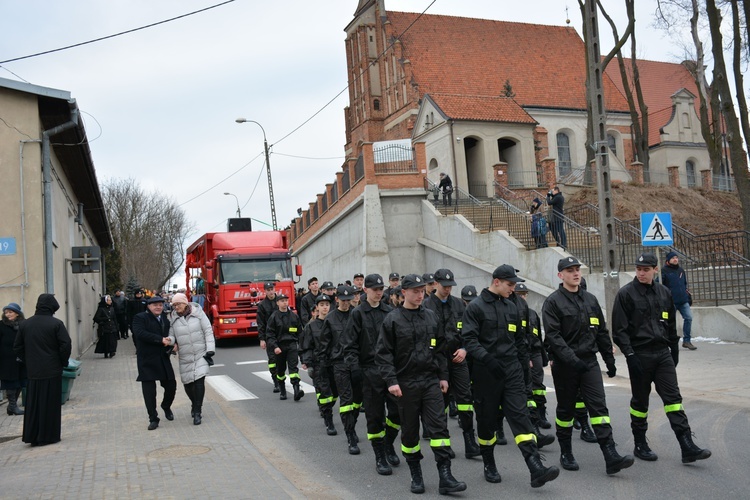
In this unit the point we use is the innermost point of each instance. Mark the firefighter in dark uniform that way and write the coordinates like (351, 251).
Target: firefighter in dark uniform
(282, 334)
(450, 311)
(490, 332)
(266, 307)
(348, 377)
(393, 283)
(575, 329)
(538, 360)
(360, 338)
(411, 358)
(311, 355)
(307, 304)
(645, 330)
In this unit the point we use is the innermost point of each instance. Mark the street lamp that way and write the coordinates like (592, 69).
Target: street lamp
(239, 215)
(268, 170)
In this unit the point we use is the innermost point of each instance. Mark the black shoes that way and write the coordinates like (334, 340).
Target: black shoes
(196, 419)
(614, 461)
(448, 483)
(568, 461)
(491, 475)
(543, 422)
(168, 413)
(381, 463)
(690, 451)
(470, 445)
(281, 389)
(275, 385)
(417, 482)
(153, 425)
(643, 451)
(540, 475)
(328, 421)
(352, 439)
(298, 393)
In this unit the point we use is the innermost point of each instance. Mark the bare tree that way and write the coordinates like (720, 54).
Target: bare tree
(151, 231)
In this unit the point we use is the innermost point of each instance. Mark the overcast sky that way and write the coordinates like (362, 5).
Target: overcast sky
(160, 104)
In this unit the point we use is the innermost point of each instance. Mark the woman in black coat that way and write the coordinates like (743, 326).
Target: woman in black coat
(154, 344)
(44, 345)
(108, 331)
(12, 373)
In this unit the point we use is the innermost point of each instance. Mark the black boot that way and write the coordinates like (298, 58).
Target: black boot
(328, 421)
(542, 440)
(642, 449)
(275, 384)
(587, 433)
(500, 434)
(298, 393)
(690, 451)
(471, 445)
(13, 408)
(543, 422)
(539, 473)
(614, 461)
(491, 475)
(197, 418)
(281, 389)
(390, 451)
(567, 460)
(452, 409)
(417, 483)
(352, 439)
(381, 464)
(448, 483)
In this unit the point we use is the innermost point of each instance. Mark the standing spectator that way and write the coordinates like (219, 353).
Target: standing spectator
(12, 372)
(645, 329)
(411, 357)
(154, 344)
(556, 200)
(107, 332)
(200, 290)
(44, 345)
(675, 278)
(120, 303)
(196, 347)
(136, 305)
(538, 224)
(446, 185)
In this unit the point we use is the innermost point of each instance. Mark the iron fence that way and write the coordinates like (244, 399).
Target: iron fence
(345, 182)
(723, 183)
(394, 158)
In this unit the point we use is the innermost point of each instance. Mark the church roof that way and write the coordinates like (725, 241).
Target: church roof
(545, 65)
(481, 108)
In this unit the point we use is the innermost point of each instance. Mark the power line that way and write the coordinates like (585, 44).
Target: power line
(116, 34)
(224, 179)
(312, 158)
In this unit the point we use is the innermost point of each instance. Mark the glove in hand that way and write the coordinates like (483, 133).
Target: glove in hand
(611, 369)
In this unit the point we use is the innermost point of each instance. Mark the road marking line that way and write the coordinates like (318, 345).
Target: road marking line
(251, 362)
(228, 388)
(217, 365)
(267, 377)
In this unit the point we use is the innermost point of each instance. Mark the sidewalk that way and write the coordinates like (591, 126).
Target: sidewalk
(107, 452)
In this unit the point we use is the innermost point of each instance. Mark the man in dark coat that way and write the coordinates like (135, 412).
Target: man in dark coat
(556, 201)
(154, 345)
(120, 303)
(44, 345)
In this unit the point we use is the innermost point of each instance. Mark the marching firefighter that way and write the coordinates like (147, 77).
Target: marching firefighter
(282, 334)
(348, 377)
(449, 311)
(491, 337)
(266, 307)
(575, 330)
(360, 338)
(645, 330)
(411, 358)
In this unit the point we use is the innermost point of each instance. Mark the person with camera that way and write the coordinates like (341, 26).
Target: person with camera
(194, 341)
(556, 200)
(154, 344)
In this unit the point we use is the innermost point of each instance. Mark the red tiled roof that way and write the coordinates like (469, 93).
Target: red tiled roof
(659, 82)
(482, 108)
(454, 55)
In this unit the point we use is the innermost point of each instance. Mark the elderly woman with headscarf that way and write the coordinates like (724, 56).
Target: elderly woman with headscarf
(108, 331)
(195, 346)
(12, 372)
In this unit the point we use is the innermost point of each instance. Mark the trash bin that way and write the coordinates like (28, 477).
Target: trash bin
(69, 375)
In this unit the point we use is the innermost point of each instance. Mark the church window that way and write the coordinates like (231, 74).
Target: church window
(564, 160)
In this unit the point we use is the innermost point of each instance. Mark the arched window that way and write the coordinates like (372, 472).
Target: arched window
(433, 164)
(612, 143)
(690, 171)
(564, 160)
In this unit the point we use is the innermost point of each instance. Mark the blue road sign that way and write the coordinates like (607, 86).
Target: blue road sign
(7, 246)
(656, 229)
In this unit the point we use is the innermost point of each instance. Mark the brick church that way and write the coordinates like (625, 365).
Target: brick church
(488, 96)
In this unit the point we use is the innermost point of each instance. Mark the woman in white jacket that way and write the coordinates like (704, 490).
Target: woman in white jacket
(195, 346)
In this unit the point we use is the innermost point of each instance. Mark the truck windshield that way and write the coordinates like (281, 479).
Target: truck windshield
(255, 270)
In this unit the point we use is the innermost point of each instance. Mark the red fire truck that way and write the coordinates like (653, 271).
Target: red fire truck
(226, 271)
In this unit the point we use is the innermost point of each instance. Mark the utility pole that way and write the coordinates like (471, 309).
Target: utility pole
(270, 184)
(595, 94)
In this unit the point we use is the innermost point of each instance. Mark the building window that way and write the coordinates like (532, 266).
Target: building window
(376, 104)
(690, 170)
(433, 164)
(612, 143)
(564, 161)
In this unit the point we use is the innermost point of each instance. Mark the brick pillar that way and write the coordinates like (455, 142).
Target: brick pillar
(636, 172)
(312, 212)
(349, 169)
(369, 163)
(706, 180)
(674, 176)
(340, 183)
(320, 204)
(549, 173)
(541, 145)
(304, 225)
(297, 226)
(501, 176)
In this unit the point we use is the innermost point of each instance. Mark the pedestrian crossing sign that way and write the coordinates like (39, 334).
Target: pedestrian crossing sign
(656, 229)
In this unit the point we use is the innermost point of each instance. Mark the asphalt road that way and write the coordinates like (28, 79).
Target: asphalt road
(293, 438)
